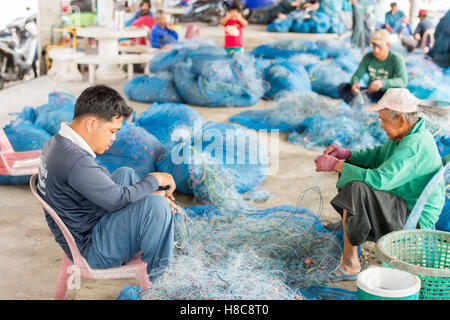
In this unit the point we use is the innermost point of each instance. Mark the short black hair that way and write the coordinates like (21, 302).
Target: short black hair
(103, 102)
(235, 6)
(393, 4)
(145, 1)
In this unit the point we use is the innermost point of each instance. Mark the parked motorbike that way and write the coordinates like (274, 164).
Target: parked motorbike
(19, 50)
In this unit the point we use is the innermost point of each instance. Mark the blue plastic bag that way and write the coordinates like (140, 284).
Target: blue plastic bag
(152, 88)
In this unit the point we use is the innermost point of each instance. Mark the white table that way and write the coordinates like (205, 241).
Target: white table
(108, 48)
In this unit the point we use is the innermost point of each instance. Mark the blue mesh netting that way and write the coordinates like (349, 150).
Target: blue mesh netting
(289, 112)
(286, 75)
(166, 61)
(228, 146)
(135, 148)
(158, 87)
(318, 23)
(60, 108)
(24, 136)
(283, 48)
(326, 78)
(440, 53)
(279, 25)
(162, 120)
(218, 82)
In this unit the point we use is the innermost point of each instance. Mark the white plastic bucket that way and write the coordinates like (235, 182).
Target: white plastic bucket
(382, 283)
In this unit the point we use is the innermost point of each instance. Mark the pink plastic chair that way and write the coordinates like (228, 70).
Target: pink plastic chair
(17, 163)
(69, 271)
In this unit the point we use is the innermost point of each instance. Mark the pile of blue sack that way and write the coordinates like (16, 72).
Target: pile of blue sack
(327, 19)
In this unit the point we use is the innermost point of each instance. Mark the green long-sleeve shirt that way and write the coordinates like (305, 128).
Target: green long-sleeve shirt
(402, 168)
(391, 70)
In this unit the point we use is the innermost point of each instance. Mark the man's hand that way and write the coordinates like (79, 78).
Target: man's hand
(170, 26)
(338, 152)
(355, 88)
(165, 179)
(375, 85)
(326, 163)
(173, 206)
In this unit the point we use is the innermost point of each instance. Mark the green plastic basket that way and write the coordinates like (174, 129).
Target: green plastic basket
(425, 253)
(82, 19)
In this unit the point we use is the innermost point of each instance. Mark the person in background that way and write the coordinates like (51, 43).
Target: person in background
(146, 21)
(393, 19)
(386, 69)
(301, 5)
(234, 25)
(143, 6)
(379, 187)
(163, 35)
(360, 29)
(415, 41)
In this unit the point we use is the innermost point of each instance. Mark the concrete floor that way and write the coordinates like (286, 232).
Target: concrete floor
(29, 256)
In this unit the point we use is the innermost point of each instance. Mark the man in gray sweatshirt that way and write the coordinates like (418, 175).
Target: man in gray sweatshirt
(111, 216)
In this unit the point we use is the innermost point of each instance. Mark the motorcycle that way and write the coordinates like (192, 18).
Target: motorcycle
(19, 50)
(208, 11)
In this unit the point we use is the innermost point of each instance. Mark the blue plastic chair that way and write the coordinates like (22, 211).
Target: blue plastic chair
(414, 216)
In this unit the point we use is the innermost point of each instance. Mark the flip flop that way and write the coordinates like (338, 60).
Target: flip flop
(340, 275)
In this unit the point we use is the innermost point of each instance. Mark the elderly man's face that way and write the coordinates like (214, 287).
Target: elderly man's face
(395, 129)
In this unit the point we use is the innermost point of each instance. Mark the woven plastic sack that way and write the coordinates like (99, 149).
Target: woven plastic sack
(219, 82)
(229, 146)
(60, 108)
(286, 75)
(152, 88)
(161, 120)
(135, 148)
(23, 136)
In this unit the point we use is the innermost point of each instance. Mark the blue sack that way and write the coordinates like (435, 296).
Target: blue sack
(135, 148)
(23, 136)
(152, 88)
(280, 25)
(60, 108)
(286, 75)
(161, 120)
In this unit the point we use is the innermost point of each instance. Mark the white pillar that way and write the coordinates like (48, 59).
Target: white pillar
(105, 9)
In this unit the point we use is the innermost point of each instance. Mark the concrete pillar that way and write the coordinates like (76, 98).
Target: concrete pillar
(49, 15)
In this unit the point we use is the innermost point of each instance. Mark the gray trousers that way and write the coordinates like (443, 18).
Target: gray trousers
(146, 225)
(370, 213)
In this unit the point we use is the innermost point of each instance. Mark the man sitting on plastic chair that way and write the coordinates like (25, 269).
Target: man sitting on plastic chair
(379, 187)
(112, 217)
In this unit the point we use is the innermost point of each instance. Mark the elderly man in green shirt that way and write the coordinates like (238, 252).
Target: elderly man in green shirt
(379, 187)
(386, 69)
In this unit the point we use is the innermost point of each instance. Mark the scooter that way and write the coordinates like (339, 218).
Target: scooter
(18, 50)
(208, 11)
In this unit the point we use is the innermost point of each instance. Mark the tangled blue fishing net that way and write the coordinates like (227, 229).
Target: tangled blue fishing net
(218, 146)
(162, 120)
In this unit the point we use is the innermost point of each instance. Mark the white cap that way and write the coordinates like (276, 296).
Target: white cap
(397, 99)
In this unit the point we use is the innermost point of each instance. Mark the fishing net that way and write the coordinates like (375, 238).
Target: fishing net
(152, 88)
(60, 108)
(319, 22)
(286, 75)
(356, 129)
(217, 147)
(166, 61)
(443, 223)
(162, 120)
(272, 254)
(219, 82)
(280, 25)
(135, 148)
(289, 112)
(283, 48)
(327, 76)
